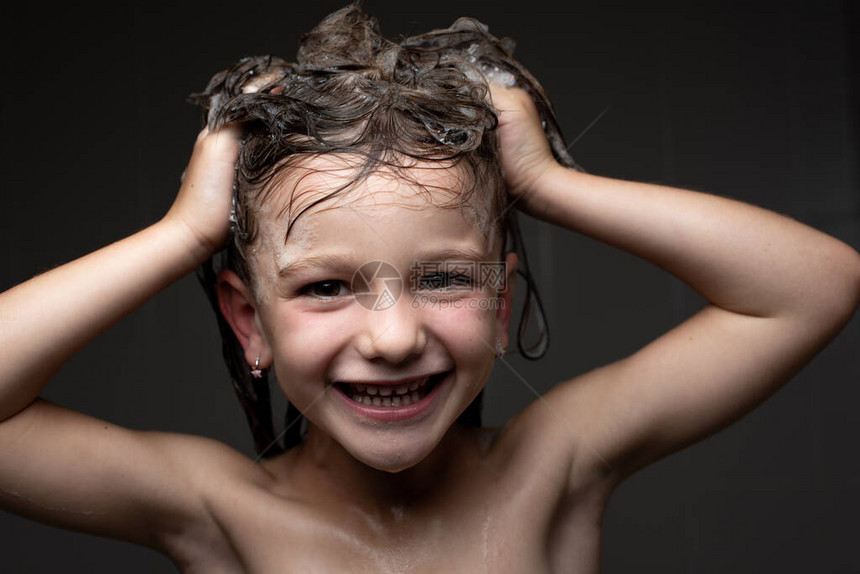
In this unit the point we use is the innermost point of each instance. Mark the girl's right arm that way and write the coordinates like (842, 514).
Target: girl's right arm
(65, 468)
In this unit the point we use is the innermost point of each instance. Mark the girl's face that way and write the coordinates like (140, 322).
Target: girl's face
(425, 312)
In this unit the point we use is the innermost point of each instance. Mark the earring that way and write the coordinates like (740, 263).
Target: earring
(500, 349)
(257, 372)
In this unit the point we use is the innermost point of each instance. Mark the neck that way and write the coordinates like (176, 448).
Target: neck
(334, 473)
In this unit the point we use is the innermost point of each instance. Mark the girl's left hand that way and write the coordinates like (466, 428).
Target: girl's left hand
(525, 152)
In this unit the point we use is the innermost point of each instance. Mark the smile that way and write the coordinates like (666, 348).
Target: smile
(392, 400)
(389, 395)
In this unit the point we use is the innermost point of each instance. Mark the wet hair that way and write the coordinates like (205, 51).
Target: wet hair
(389, 105)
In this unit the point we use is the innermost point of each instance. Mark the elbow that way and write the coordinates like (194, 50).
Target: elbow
(844, 295)
(855, 285)
(829, 294)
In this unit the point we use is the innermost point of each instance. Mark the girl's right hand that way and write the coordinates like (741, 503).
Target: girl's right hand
(205, 198)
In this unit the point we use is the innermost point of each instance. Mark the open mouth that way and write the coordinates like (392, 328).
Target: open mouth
(391, 395)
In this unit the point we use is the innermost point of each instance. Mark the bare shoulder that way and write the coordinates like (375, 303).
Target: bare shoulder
(70, 470)
(209, 461)
(545, 449)
(553, 487)
(553, 431)
(216, 475)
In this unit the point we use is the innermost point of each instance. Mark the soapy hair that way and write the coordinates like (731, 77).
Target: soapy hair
(386, 106)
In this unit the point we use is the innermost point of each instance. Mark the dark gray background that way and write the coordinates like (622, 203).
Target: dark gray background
(751, 100)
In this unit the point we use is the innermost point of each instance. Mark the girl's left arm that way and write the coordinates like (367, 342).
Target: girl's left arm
(778, 290)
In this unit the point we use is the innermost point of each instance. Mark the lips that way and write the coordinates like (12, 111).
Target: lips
(401, 393)
(394, 382)
(388, 395)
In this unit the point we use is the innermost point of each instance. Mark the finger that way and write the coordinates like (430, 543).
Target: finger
(231, 133)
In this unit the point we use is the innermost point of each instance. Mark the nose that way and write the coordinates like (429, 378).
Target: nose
(394, 335)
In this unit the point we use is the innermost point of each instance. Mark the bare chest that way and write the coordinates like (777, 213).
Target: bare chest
(518, 521)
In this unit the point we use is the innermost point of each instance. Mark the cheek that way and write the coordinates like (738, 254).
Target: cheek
(467, 325)
(304, 332)
(470, 340)
(304, 343)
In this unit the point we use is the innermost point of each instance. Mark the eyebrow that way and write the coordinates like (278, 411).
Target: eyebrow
(347, 262)
(452, 253)
(330, 261)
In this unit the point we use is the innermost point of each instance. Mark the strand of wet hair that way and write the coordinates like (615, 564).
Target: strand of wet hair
(253, 393)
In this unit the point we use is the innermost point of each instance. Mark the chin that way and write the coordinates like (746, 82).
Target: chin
(390, 456)
(394, 467)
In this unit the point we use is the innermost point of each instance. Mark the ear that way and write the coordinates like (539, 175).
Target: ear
(239, 307)
(506, 298)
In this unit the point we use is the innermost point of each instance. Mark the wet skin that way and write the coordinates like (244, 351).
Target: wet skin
(364, 495)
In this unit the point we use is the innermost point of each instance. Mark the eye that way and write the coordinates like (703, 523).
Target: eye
(445, 281)
(328, 289)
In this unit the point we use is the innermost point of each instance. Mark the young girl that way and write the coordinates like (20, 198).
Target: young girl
(365, 152)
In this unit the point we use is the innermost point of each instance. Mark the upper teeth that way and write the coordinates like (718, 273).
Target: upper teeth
(386, 390)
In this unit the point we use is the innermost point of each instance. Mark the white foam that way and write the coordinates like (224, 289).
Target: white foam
(498, 77)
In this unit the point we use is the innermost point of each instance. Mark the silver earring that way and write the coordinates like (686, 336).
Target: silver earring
(500, 349)
(257, 372)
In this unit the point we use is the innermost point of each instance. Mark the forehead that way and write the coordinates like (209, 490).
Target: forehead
(300, 194)
(318, 177)
(384, 216)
